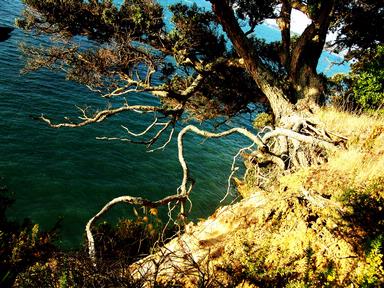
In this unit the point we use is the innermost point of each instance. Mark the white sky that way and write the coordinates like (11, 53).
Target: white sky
(299, 21)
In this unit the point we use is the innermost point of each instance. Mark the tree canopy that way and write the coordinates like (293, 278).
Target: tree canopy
(192, 65)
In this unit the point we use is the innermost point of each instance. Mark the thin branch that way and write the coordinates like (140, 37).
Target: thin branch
(138, 86)
(184, 166)
(234, 169)
(141, 133)
(102, 115)
(119, 139)
(251, 30)
(165, 144)
(193, 87)
(154, 139)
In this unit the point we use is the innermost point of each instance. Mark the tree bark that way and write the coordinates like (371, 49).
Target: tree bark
(268, 84)
(305, 55)
(306, 86)
(284, 23)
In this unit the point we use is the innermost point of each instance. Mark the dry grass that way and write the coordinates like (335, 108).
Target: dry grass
(321, 226)
(363, 161)
(356, 127)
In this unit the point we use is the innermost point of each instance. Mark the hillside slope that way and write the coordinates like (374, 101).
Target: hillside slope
(318, 226)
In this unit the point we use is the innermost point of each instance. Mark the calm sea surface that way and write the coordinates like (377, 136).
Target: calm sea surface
(67, 172)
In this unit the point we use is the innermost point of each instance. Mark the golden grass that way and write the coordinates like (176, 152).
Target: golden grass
(363, 161)
(320, 226)
(324, 241)
(356, 127)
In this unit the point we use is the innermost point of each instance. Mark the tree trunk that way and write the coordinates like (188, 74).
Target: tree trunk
(307, 84)
(272, 88)
(284, 23)
(292, 107)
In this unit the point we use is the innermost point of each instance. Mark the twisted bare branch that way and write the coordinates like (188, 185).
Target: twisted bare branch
(184, 191)
(137, 201)
(102, 115)
(141, 133)
(243, 131)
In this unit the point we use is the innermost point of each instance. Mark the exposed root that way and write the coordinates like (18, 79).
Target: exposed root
(300, 137)
(292, 146)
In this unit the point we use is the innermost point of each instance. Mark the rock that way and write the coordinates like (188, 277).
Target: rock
(5, 33)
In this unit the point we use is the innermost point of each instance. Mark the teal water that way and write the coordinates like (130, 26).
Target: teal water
(67, 172)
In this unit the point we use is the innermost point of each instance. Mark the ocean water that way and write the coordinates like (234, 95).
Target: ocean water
(68, 173)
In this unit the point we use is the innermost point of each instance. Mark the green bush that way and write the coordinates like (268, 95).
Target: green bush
(368, 84)
(363, 87)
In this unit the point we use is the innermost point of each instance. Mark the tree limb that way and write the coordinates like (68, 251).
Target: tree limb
(102, 115)
(242, 131)
(284, 23)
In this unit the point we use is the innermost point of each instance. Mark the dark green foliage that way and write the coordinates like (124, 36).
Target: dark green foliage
(100, 21)
(133, 50)
(360, 34)
(132, 43)
(367, 206)
(195, 33)
(118, 246)
(339, 87)
(255, 11)
(231, 99)
(359, 25)
(269, 54)
(129, 240)
(76, 270)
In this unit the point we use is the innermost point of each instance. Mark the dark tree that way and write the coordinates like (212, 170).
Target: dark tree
(190, 68)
